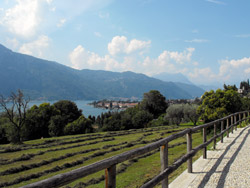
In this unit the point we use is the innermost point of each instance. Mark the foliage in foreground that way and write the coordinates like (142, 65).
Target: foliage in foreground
(218, 104)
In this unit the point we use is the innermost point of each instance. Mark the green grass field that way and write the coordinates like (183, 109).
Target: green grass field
(40, 159)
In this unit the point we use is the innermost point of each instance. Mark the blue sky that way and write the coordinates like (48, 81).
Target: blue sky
(206, 40)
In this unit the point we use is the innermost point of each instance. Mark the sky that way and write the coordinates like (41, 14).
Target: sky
(206, 40)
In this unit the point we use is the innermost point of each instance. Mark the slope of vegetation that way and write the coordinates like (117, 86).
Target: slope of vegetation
(39, 159)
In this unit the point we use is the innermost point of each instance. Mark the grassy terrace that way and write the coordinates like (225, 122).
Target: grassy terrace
(41, 159)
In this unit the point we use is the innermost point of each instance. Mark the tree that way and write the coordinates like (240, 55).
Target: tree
(113, 122)
(245, 103)
(141, 118)
(67, 113)
(79, 126)
(154, 102)
(15, 107)
(190, 113)
(218, 104)
(175, 113)
(4, 122)
(68, 110)
(56, 126)
(37, 121)
(229, 87)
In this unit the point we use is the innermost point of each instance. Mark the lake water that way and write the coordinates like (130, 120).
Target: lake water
(81, 104)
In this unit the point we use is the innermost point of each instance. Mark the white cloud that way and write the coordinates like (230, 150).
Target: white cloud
(195, 63)
(24, 17)
(216, 2)
(79, 56)
(30, 18)
(197, 41)
(103, 15)
(13, 43)
(243, 36)
(234, 69)
(97, 34)
(195, 31)
(36, 47)
(167, 61)
(230, 72)
(247, 71)
(61, 23)
(202, 75)
(83, 59)
(178, 57)
(49, 1)
(120, 45)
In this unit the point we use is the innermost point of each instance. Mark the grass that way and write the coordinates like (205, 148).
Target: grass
(132, 173)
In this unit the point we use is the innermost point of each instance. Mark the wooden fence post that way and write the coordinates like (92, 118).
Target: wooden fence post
(227, 127)
(164, 163)
(110, 177)
(235, 120)
(240, 120)
(221, 129)
(189, 148)
(215, 135)
(204, 140)
(232, 122)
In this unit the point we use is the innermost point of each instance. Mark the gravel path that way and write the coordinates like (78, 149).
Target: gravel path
(226, 167)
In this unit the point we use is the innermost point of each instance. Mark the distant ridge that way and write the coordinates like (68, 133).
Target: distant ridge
(173, 77)
(181, 81)
(42, 79)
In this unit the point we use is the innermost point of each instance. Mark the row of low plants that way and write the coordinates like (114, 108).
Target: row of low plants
(112, 151)
(132, 144)
(138, 170)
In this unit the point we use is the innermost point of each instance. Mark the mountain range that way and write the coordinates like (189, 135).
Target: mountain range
(173, 77)
(42, 79)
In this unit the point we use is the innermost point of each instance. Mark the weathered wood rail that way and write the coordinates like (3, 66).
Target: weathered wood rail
(109, 165)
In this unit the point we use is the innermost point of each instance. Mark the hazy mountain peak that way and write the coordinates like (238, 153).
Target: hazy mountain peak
(172, 77)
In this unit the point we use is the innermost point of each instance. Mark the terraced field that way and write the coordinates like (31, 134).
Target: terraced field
(41, 159)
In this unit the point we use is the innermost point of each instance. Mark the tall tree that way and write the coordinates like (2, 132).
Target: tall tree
(190, 113)
(217, 104)
(37, 121)
(154, 102)
(15, 107)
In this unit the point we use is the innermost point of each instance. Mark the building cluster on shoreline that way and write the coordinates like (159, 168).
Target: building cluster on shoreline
(114, 104)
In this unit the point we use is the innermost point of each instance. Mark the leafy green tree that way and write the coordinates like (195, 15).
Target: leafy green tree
(79, 126)
(154, 102)
(230, 87)
(175, 113)
(245, 103)
(126, 118)
(190, 113)
(16, 115)
(141, 118)
(56, 125)
(37, 121)
(68, 110)
(113, 122)
(4, 122)
(217, 104)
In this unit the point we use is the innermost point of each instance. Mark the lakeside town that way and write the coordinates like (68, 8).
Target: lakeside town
(110, 104)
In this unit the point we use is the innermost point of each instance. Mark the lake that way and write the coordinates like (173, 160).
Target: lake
(81, 104)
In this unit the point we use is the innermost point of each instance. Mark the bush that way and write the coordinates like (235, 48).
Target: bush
(175, 113)
(79, 126)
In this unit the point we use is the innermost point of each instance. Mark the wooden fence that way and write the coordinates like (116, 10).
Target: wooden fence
(225, 125)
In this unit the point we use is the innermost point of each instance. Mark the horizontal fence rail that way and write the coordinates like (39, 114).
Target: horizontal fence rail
(109, 164)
